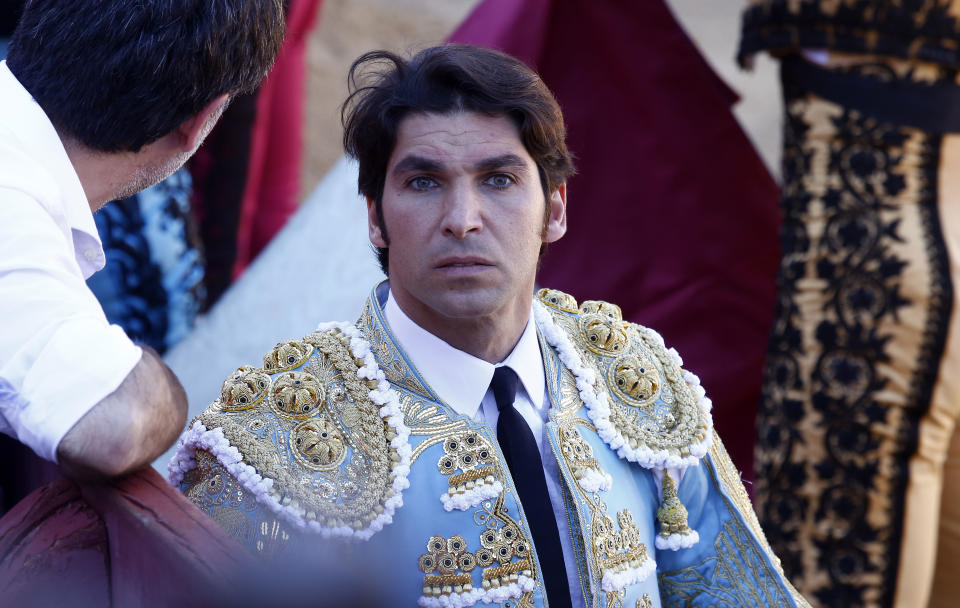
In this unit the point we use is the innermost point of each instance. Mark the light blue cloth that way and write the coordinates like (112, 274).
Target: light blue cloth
(728, 567)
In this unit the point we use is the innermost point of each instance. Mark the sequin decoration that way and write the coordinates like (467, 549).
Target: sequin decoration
(476, 481)
(558, 299)
(643, 404)
(296, 394)
(602, 327)
(244, 389)
(501, 545)
(447, 565)
(635, 379)
(579, 457)
(318, 444)
(621, 557)
(286, 355)
(336, 470)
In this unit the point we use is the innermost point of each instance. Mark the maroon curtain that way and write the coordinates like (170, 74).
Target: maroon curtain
(672, 215)
(246, 174)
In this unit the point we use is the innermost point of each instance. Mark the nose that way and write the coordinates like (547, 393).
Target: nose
(462, 211)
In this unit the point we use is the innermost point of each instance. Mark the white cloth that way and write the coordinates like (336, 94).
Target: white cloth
(58, 354)
(462, 381)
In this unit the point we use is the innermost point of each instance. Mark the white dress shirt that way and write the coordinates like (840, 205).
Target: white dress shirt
(462, 381)
(58, 354)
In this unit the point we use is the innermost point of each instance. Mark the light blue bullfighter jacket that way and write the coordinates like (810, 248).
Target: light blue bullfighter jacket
(338, 435)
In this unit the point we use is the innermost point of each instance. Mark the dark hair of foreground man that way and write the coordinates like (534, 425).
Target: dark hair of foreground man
(118, 78)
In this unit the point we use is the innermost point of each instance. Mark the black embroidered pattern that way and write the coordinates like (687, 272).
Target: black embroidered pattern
(909, 29)
(826, 445)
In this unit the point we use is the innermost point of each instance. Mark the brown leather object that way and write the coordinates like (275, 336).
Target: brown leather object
(135, 542)
(53, 546)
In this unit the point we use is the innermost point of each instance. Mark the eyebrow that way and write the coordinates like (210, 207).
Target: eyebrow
(419, 163)
(501, 162)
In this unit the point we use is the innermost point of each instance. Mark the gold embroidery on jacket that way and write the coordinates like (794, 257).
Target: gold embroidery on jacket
(317, 434)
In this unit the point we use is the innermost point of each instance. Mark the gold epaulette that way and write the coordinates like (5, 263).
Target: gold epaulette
(657, 413)
(307, 423)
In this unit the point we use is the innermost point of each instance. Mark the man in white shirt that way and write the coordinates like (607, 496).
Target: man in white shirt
(495, 447)
(98, 100)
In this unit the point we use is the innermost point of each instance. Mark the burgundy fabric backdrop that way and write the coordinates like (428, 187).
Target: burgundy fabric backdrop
(672, 215)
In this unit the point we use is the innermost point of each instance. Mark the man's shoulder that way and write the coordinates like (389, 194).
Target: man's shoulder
(598, 327)
(292, 381)
(644, 404)
(316, 407)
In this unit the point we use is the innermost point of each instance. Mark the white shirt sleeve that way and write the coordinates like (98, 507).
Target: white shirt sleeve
(58, 354)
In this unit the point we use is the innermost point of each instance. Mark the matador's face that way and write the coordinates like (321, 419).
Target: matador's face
(464, 210)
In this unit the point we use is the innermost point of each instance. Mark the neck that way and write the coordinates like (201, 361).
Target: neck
(107, 176)
(488, 337)
(98, 171)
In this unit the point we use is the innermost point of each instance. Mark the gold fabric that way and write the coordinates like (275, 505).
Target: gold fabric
(847, 457)
(906, 29)
(930, 552)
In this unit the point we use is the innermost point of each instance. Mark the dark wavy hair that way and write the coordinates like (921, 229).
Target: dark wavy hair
(385, 88)
(119, 74)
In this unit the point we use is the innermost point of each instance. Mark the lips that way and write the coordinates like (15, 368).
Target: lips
(463, 262)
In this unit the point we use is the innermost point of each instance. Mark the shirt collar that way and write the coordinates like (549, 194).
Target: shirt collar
(458, 378)
(25, 121)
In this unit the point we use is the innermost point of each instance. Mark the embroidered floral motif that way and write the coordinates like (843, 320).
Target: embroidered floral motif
(244, 389)
(296, 394)
(675, 434)
(558, 300)
(603, 328)
(622, 557)
(927, 31)
(634, 379)
(286, 355)
(447, 565)
(370, 474)
(318, 444)
(583, 466)
(471, 454)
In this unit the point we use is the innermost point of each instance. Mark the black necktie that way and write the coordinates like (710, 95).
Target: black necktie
(522, 456)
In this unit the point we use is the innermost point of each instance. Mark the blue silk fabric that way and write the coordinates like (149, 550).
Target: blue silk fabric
(731, 564)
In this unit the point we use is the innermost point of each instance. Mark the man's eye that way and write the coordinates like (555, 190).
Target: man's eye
(422, 183)
(500, 180)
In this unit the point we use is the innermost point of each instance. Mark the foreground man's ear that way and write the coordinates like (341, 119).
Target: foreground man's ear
(557, 218)
(193, 130)
(373, 225)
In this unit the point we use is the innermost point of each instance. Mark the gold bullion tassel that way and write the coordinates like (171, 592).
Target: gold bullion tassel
(675, 533)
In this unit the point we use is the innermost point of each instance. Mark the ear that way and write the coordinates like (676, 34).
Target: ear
(557, 218)
(192, 131)
(373, 225)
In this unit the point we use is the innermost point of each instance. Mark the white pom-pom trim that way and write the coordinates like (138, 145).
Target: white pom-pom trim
(594, 481)
(453, 600)
(493, 595)
(496, 595)
(675, 542)
(617, 581)
(596, 399)
(471, 498)
(214, 441)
